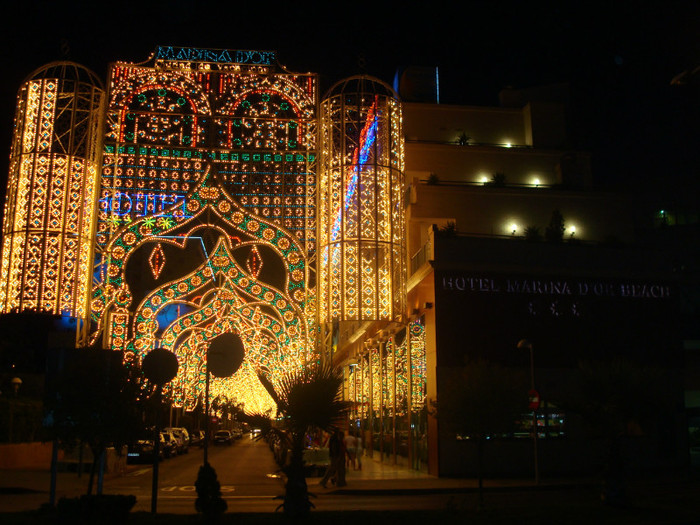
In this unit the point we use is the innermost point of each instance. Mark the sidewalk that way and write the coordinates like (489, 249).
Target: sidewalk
(22, 490)
(384, 478)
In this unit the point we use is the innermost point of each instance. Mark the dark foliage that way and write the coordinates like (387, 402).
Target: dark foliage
(498, 180)
(209, 501)
(532, 233)
(307, 400)
(99, 508)
(449, 229)
(96, 399)
(620, 400)
(555, 230)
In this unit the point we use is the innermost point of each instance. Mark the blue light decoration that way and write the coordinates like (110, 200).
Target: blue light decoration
(222, 56)
(122, 203)
(360, 157)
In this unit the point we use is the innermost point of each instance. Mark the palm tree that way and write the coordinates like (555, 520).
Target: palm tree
(96, 399)
(621, 400)
(307, 400)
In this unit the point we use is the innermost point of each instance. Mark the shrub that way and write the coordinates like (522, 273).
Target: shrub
(97, 508)
(209, 501)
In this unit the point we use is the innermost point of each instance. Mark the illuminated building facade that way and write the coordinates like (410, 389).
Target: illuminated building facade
(200, 213)
(361, 217)
(212, 193)
(207, 216)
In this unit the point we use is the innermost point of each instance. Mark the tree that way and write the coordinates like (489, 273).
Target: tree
(449, 229)
(620, 400)
(95, 399)
(307, 400)
(226, 408)
(498, 180)
(532, 233)
(209, 501)
(555, 231)
(481, 400)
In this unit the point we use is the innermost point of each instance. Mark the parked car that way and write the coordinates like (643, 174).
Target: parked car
(168, 444)
(197, 438)
(182, 438)
(142, 451)
(223, 437)
(237, 433)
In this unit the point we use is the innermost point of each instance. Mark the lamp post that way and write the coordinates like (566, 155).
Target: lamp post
(224, 357)
(524, 344)
(160, 367)
(16, 383)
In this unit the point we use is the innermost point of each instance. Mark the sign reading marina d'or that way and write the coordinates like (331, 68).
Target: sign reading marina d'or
(223, 56)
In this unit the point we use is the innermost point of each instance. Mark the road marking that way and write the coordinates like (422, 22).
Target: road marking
(170, 496)
(140, 472)
(191, 488)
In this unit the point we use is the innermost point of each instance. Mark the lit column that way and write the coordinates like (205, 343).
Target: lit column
(51, 203)
(361, 223)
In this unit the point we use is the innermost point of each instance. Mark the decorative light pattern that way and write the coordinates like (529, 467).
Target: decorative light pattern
(388, 375)
(361, 217)
(401, 373)
(418, 370)
(208, 177)
(157, 261)
(50, 205)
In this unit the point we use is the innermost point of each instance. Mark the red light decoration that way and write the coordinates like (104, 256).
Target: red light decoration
(157, 261)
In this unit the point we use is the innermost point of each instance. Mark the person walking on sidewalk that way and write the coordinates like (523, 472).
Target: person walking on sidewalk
(358, 450)
(349, 442)
(336, 468)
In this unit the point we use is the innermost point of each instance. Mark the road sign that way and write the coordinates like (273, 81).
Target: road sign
(534, 399)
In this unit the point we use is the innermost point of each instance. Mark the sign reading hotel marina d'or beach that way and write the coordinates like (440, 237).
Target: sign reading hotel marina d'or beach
(555, 287)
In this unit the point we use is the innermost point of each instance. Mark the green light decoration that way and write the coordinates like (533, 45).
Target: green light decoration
(223, 296)
(235, 149)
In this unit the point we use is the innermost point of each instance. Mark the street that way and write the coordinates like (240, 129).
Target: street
(245, 470)
(249, 483)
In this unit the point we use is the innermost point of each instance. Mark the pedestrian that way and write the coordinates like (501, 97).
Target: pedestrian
(350, 449)
(358, 450)
(336, 453)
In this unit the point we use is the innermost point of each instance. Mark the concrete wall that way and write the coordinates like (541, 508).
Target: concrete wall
(37, 456)
(32, 456)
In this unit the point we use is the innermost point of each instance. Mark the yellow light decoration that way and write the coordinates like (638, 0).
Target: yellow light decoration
(207, 219)
(362, 274)
(48, 226)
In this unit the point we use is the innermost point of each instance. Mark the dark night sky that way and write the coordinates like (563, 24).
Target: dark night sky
(618, 58)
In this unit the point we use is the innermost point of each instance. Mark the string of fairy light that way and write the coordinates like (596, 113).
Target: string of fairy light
(49, 211)
(203, 220)
(190, 151)
(361, 221)
(385, 378)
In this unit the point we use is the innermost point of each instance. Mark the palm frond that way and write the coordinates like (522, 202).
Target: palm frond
(270, 389)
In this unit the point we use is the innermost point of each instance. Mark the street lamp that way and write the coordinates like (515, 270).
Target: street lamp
(160, 367)
(224, 357)
(524, 344)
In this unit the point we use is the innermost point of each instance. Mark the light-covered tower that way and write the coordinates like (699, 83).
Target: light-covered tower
(361, 226)
(49, 218)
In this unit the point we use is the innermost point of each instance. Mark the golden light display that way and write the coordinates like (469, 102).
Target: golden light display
(207, 217)
(361, 214)
(388, 384)
(182, 205)
(48, 223)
